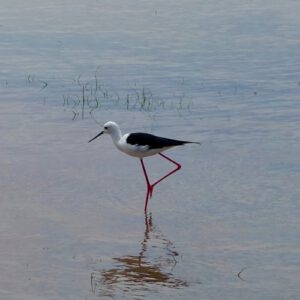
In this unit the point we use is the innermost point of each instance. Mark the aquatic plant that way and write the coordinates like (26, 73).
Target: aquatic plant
(93, 95)
(83, 97)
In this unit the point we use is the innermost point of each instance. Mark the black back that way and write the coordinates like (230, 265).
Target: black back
(153, 141)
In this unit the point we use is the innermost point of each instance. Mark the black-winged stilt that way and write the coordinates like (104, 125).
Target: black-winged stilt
(142, 145)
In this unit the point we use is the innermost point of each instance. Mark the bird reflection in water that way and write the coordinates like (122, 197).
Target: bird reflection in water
(134, 273)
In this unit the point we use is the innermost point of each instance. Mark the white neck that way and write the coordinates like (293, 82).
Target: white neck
(116, 135)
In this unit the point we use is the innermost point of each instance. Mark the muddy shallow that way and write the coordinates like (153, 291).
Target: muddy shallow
(72, 224)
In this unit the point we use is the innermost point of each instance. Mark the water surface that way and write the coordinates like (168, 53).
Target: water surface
(72, 223)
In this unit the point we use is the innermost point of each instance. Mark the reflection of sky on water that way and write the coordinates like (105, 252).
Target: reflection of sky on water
(224, 73)
(151, 42)
(233, 64)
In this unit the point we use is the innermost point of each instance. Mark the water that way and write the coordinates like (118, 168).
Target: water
(224, 73)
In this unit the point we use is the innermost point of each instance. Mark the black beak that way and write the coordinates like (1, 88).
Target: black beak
(96, 136)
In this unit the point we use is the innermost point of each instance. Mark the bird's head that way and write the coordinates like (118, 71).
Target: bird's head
(109, 127)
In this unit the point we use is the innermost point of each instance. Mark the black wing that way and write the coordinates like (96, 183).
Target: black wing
(153, 141)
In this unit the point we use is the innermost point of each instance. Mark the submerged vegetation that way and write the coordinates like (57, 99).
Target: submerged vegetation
(85, 97)
(91, 95)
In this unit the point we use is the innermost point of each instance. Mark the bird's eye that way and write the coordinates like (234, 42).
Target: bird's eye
(105, 127)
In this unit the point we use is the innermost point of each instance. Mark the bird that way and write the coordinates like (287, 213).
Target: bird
(141, 145)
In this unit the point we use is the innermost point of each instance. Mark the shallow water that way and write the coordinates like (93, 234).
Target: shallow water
(71, 220)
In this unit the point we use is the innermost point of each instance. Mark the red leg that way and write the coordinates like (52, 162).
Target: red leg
(151, 186)
(178, 167)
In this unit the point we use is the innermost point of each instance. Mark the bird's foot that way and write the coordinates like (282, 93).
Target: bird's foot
(150, 190)
(148, 195)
